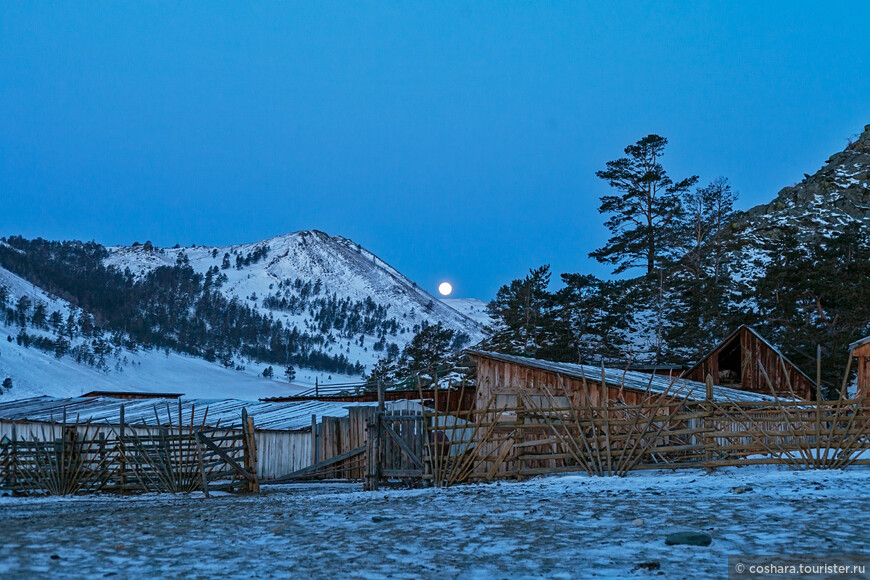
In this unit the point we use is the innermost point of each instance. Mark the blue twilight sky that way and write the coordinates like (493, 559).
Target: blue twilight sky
(457, 140)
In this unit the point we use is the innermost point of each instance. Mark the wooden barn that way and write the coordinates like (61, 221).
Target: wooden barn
(504, 376)
(740, 362)
(861, 355)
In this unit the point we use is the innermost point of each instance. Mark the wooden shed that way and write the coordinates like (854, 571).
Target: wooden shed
(741, 360)
(504, 376)
(861, 354)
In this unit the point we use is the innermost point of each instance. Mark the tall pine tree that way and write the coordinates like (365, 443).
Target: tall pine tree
(644, 209)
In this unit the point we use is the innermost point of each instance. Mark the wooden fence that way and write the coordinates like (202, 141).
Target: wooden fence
(66, 458)
(536, 438)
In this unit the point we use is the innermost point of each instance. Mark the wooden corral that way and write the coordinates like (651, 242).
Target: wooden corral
(861, 356)
(741, 362)
(64, 457)
(506, 376)
(511, 385)
(283, 433)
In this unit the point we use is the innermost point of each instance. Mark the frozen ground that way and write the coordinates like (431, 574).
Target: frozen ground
(559, 527)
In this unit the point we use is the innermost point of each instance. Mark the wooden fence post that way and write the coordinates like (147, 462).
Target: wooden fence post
(314, 450)
(706, 420)
(520, 437)
(379, 434)
(253, 459)
(202, 474)
(372, 452)
(251, 485)
(122, 452)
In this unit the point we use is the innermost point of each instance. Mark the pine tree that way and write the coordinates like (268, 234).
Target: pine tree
(428, 350)
(642, 214)
(21, 309)
(290, 374)
(591, 319)
(7, 384)
(521, 310)
(268, 372)
(699, 272)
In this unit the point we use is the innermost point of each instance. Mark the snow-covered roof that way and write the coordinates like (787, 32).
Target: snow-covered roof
(634, 380)
(860, 342)
(271, 416)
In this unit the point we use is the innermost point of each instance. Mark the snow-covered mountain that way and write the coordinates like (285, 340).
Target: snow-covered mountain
(819, 206)
(328, 287)
(273, 277)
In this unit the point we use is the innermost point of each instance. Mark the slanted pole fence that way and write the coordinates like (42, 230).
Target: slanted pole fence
(173, 455)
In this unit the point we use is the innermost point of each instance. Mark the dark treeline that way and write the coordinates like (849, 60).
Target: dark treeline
(702, 275)
(171, 307)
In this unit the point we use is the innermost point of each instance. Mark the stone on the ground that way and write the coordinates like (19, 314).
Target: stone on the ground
(688, 539)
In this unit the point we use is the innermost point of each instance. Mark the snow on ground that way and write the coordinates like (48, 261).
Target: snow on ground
(556, 527)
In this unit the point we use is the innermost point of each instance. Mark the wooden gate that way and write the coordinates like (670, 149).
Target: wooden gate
(395, 446)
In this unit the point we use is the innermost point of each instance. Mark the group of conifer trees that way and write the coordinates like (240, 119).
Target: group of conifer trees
(699, 277)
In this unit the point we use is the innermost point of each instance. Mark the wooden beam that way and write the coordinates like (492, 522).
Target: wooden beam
(300, 473)
(225, 457)
(404, 446)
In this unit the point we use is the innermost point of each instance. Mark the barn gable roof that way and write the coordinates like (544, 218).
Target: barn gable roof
(754, 333)
(625, 379)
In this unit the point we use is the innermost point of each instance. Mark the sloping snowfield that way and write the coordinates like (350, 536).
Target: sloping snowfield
(557, 527)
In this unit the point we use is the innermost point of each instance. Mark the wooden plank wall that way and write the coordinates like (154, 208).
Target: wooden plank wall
(498, 377)
(861, 356)
(755, 354)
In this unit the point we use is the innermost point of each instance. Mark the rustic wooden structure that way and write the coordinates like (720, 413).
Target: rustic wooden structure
(541, 437)
(283, 434)
(741, 362)
(504, 377)
(176, 455)
(861, 356)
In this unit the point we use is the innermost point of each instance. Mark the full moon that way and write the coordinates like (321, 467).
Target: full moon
(445, 288)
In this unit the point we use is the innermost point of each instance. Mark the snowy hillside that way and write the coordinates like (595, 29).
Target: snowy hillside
(834, 196)
(35, 372)
(349, 301)
(319, 284)
(477, 310)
